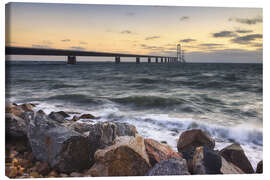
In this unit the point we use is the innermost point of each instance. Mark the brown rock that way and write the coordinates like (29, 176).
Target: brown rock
(127, 157)
(11, 172)
(53, 173)
(27, 107)
(259, 168)
(189, 140)
(34, 175)
(43, 168)
(75, 118)
(63, 175)
(236, 155)
(229, 168)
(87, 116)
(158, 152)
(75, 174)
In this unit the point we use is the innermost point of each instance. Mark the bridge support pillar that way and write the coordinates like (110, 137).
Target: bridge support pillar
(161, 60)
(138, 60)
(149, 59)
(71, 60)
(117, 59)
(166, 60)
(156, 59)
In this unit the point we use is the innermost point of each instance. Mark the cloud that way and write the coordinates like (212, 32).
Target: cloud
(65, 40)
(184, 18)
(249, 21)
(243, 31)
(40, 46)
(187, 40)
(144, 46)
(82, 42)
(126, 32)
(246, 39)
(46, 42)
(224, 34)
(77, 48)
(152, 37)
(210, 45)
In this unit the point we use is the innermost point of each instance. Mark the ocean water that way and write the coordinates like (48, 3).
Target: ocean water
(161, 100)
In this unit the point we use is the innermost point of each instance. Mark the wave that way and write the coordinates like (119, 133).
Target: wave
(76, 98)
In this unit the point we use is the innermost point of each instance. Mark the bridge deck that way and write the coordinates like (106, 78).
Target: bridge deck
(61, 52)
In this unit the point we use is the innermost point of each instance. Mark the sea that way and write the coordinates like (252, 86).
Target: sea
(161, 100)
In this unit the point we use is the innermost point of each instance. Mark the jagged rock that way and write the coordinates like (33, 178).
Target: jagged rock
(75, 118)
(63, 113)
(259, 168)
(15, 126)
(236, 155)
(15, 110)
(56, 116)
(103, 134)
(127, 157)
(43, 168)
(87, 116)
(169, 167)
(206, 161)
(189, 140)
(158, 152)
(65, 150)
(229, 168)
(27, 107)
(80, 127)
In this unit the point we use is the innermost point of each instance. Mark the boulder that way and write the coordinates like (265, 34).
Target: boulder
(80, 127)
(103, 134)
(15, 110)
(56, 116)
(206, 161)
(27, 107)
(87, 116)
(65, 150)
(158, 152)
(15, 126)
(189, 140)
(229, 168)
(169, 167)
(127, 157)
(259, 168)
(236, 155)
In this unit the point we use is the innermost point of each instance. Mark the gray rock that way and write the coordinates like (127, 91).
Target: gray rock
(103, 134)
(169, 167)
(15, 126)
(206, 161)
(65, 150)
(56, 116)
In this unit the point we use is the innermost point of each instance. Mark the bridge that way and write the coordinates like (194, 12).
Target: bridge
(71, 54)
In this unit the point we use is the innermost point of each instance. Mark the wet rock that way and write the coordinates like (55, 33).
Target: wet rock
(75, 118)
(189, 140)
(259, 168)
(15, 126)
(41, 112)
(127, 157)
(87, 116)
(158, 152)
(56, 116)
(169, 167)
(103, 134)
(27, 107)
(80, 127)
(65, 150)
(229, 168)
(43, 168)
(236, 155)
(206, 161)
(15, 110)
(63, 113)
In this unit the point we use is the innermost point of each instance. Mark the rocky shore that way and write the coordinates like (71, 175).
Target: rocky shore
(48, 145)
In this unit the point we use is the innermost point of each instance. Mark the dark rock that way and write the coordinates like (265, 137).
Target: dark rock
(41, 112)
(80, 127)
(43, 168)
(87, 116)
(75, 118)
(65, 150)
(169, 167)
(236, 155)
(189, 140)
(127, 157)
(63, 113)
(15, 126)
(158, 152)
(206, 161)
(229, 168)
(103, 134)
(56, 116)
(259, 168)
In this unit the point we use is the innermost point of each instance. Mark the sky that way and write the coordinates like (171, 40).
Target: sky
(207, 34)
